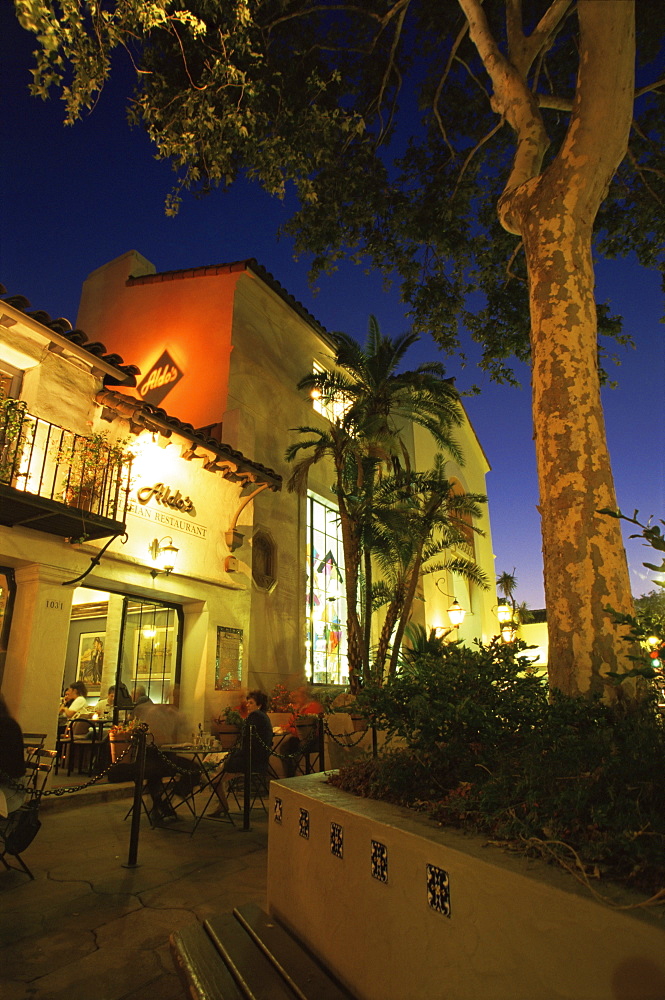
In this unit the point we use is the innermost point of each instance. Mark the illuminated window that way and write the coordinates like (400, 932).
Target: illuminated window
(326, 598)
(332, 408)
(10, 380)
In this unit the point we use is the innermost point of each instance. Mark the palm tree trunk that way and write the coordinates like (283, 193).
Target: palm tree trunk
(406, 611)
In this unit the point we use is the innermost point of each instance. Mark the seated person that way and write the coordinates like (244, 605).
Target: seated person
(12, 762)
(104, 708)
(303, 704)
(166, 725)
(260, 749)
(74, 700)
(139, 696)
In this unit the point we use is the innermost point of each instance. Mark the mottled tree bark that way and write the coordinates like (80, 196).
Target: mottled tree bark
(554, 211)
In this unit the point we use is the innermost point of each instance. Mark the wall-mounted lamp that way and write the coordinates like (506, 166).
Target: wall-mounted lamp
(164, 554)
(456, 613)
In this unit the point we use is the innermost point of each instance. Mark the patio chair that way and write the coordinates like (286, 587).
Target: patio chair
(20, 828)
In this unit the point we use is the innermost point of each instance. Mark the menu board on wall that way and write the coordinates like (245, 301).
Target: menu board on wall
(228, 661)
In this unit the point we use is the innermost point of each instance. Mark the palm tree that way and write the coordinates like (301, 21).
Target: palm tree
(365, 442)
(419, 518)
(506, 584)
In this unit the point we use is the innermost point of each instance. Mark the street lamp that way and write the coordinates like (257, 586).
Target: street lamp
(504, 612)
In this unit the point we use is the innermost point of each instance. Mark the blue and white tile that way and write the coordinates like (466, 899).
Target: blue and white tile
(379, 861)
(337, 840)
(438, 889)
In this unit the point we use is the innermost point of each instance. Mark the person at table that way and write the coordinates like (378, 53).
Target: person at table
(139, 696)
(75, 700)
(166, 726)
(12, 762)
(104, 707)
(303, 704)
(260, 747)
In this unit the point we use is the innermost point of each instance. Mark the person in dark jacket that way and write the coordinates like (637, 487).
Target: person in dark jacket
(12, 761)
(260, 747)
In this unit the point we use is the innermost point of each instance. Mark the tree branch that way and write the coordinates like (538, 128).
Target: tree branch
(598, 132)
(444, 76)
(512, 99)
(473, 152)
(540, 37)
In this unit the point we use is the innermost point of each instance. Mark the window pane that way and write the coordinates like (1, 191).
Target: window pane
(326, 601)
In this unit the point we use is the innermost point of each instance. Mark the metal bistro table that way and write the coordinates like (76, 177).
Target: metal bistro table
(207, 761)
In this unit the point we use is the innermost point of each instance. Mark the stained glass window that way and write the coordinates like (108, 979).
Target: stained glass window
(326, 599)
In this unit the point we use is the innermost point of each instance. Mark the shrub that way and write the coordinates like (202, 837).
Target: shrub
(487, 751)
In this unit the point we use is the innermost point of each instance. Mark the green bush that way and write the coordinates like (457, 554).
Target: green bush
(486, 750)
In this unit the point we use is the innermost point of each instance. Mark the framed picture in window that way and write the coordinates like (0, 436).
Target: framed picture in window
(90, 663)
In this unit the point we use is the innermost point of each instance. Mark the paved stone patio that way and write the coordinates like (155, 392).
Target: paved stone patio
(88, 928)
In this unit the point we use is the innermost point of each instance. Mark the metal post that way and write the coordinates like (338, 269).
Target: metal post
(247, 736)
(322, 763)
(138, 738)
(375, 743)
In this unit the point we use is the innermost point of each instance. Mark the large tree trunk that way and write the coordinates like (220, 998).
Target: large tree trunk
(584, 559)
(554, 211)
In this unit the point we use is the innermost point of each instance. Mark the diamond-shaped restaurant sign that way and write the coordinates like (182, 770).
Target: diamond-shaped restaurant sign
(159, 381)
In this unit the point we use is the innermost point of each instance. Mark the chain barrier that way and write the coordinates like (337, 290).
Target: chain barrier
(19, 787)
(342, 739)
(303, 748)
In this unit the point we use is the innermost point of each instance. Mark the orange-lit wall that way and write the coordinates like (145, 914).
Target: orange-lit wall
(189, 315)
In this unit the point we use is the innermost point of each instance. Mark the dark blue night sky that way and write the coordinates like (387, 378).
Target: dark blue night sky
(74, 198)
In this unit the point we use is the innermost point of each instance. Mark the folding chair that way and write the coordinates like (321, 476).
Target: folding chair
(308, 759)
(212, 797)
(82, 737)
(21, 827)
(33, 741)
(259, 788)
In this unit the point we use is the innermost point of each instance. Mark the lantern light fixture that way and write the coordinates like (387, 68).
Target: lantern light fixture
(508, 631)
(456, 613)
(504, 612)
(164, 554)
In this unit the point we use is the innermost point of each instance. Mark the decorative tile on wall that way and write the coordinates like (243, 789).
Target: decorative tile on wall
(277, 810)
(379, 861)
(304, 824)
(336, 840)
(438, 889)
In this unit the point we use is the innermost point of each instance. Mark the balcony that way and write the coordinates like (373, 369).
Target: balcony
(59, 482)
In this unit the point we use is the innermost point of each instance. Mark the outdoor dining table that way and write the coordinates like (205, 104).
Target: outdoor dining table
(208, 763)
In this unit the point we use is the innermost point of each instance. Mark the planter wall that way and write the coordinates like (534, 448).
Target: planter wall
(399, 909)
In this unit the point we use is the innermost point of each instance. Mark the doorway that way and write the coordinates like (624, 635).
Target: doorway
(119, 638)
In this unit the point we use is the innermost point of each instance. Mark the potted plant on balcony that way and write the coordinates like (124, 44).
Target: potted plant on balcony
(16, 432)
(92, 468)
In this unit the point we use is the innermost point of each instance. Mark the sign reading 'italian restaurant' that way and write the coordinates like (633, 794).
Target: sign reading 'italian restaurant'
(159, 381)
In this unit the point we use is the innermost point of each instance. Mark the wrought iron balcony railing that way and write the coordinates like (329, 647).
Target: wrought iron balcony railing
(61, 469)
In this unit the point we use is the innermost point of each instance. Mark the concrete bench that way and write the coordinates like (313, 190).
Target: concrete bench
(247, 955)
